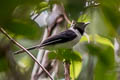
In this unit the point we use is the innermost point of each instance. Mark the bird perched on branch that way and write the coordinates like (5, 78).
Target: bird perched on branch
(66, 39)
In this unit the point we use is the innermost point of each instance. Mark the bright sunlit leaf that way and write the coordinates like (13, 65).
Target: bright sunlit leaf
(75, 69)
(98, 39)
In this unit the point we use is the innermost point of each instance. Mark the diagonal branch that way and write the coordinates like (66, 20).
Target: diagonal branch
(19, 45)
(65, 15)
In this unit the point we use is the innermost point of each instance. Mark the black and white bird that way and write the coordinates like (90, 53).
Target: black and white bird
(66, 39)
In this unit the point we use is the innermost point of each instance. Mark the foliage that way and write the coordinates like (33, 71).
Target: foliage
(17, 18)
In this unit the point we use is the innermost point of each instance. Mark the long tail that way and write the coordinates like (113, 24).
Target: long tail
(31, 48)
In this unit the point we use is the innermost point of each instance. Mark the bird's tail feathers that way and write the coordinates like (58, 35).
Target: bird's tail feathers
(30, 48)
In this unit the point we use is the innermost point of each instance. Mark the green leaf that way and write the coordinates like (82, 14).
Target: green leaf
(103, 49)
(15, 17)
(41, 7)
(66, 54)
(26, 28)
(84, 18)
(105, 64)
(75, 69)
(99, 24)
(74, 7)
(104, 52)
(6, 9)
(111, 11)
(22, 12)
(98, 39)
(69, 55)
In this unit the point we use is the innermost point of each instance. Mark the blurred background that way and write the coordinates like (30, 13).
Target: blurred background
(26, 22)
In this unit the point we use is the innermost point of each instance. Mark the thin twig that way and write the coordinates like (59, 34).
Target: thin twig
(19, 45)
(65, 15)
(67, 19)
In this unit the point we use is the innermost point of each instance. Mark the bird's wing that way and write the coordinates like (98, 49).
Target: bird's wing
(60, 38)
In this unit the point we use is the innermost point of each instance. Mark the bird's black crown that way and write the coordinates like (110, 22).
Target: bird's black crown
(80, 26)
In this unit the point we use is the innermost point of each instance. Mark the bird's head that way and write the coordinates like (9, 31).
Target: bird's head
(80, 26)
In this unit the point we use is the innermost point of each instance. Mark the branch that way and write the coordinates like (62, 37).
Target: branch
(19, 45)
(67, 19)
(67, 70)
(39, 57)
(65, 15)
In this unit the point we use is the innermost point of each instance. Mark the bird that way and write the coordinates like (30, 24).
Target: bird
(66, 39)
